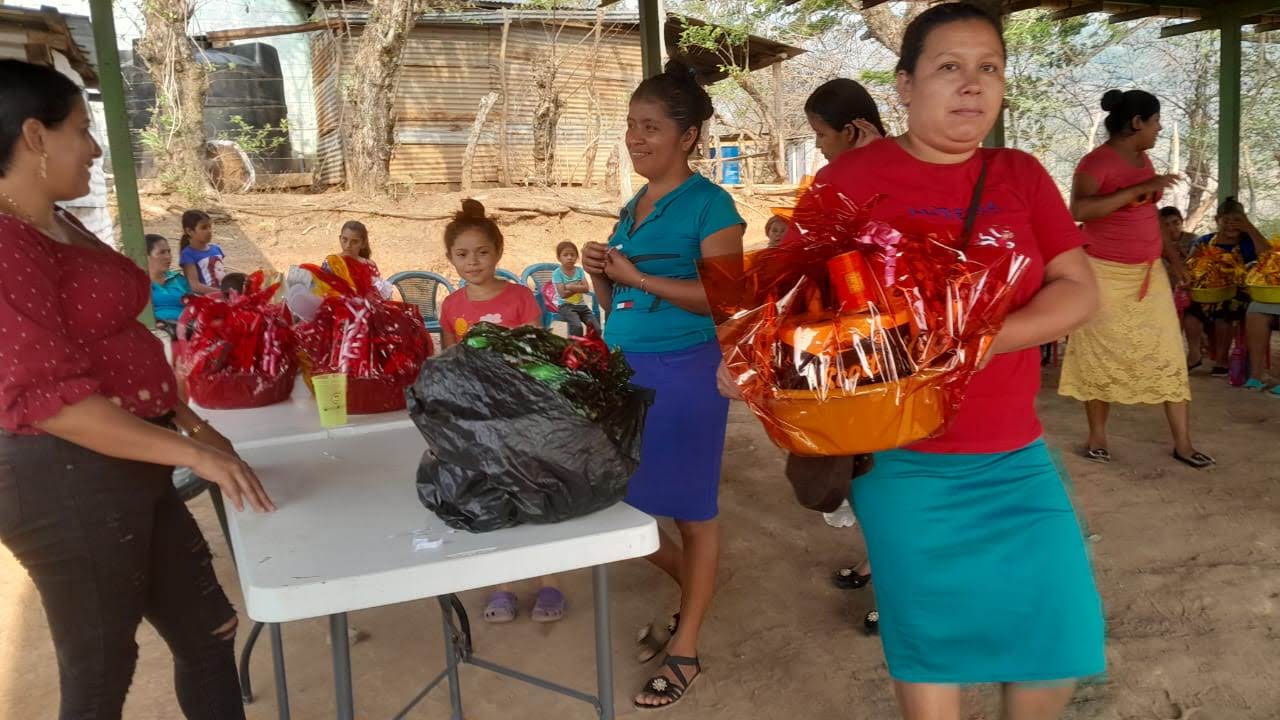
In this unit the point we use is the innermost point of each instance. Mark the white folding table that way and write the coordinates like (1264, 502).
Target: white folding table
(350, 534)
(295, 420)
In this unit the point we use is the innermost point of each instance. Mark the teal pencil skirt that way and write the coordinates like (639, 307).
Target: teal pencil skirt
(981, 573)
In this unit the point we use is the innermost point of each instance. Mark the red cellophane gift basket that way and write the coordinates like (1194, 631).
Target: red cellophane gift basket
(379, 344)
(237, 352)
(857, 338)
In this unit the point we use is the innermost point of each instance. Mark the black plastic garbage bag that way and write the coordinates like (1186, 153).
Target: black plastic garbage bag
(505, 449)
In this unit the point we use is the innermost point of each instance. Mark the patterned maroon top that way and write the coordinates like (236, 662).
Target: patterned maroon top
(69, 329)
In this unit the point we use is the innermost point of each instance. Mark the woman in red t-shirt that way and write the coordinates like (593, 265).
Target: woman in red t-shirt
(981, 571)
(88, 431)
(1131, 352)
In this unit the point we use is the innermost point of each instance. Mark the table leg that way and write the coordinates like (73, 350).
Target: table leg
(451, 660)
(277, 661)
(604, 647)
(246, 682)
(341, 667)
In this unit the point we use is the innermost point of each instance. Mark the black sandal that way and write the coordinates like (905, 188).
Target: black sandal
(1198, 460)
(1098, 455)
(847, 578)
(671, 689)
(871, 623)
(652, 639)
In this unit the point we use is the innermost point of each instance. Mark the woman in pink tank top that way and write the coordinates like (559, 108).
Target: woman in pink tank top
(1131, 352)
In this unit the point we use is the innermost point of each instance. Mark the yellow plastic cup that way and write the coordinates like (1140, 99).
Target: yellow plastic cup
(331, 398)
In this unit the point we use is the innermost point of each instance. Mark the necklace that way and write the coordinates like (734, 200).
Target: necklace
(16, 208)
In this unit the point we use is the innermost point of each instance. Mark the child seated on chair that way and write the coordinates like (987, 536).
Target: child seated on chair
(473, 244)
(571, 283)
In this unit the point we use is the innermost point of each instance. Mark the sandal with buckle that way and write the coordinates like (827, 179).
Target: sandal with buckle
(871, 623)
(671, 689)
(653, 639)
(847, 578)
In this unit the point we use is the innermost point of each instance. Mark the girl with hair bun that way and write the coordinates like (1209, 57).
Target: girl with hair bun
(1131, 352)
(646, 276)
(474, 244)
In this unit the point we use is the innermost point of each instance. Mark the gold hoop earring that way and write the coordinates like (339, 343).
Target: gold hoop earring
(44, 166)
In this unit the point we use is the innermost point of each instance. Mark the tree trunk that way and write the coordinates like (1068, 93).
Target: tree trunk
(775, 166)
(886, 27)
(504, 141)
(469, 155)
(546, 117)
(779, 145)
(593, 101)
(368, 122)
(181, 82)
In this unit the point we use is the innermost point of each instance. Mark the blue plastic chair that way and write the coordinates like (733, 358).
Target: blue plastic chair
(422, 288)
(539, 274)
(536, 276)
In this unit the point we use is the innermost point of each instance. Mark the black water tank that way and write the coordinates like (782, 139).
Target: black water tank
(244, 81)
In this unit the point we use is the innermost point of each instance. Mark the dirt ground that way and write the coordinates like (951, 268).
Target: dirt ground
(1188, 564)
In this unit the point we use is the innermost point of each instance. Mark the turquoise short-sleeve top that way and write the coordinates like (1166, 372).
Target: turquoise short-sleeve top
(667, 243)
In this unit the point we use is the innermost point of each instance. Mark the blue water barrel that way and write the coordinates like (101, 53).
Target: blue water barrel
(731, 170)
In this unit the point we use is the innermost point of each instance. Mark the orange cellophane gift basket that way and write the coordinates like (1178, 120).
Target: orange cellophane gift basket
(851, 337)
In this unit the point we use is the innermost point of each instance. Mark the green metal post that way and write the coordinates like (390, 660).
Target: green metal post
(1229, 109)
(111, 83)
(652, 24)
(112, 86)
(995, 138)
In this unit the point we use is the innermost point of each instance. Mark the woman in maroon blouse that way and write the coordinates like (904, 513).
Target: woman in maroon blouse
(89, 431)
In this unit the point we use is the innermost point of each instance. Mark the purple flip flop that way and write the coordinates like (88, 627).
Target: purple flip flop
(549, 607)
(501, 608)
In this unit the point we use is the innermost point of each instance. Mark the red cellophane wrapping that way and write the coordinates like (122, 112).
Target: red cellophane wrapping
(379, 344)
(237, 352)
(858, 338)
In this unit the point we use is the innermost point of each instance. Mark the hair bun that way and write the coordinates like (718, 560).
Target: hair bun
(680, 70)
(1111, 100)
(471, 209)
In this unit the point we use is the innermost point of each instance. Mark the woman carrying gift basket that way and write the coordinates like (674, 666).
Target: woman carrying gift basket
(981, 571)
(658, 314)
(1132, 351)
(89, 421)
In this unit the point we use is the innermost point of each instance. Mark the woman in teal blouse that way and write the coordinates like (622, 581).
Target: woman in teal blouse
(168, 286)
(647, 278)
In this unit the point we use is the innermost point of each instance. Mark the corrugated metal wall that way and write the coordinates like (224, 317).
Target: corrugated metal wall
(449, 68)
(326, 65)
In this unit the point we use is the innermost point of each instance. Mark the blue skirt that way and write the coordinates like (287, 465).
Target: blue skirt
(981, 572)
(679, 474)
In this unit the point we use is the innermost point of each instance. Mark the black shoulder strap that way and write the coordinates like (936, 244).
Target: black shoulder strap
(971, 217)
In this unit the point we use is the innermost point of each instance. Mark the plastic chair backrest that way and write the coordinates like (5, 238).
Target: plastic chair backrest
(422, 288)
(535, 277)
(507, 275)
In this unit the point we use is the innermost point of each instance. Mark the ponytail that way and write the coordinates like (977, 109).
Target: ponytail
(191, 220)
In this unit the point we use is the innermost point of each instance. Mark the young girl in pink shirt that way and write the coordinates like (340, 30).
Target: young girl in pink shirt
(473, 243)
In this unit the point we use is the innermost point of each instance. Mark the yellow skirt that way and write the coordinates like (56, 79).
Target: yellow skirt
(1132, 351)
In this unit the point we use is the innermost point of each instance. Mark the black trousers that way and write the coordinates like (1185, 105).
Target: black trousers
(108, 542)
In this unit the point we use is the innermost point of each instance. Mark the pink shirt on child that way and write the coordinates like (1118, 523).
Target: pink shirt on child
(513, 307)
(1130, 235)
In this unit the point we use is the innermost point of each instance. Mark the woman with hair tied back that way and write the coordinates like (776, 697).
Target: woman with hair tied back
(1131, 352)
(91, 427)
(647, 278)
(981, 573)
